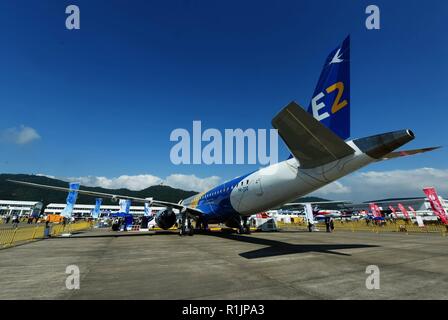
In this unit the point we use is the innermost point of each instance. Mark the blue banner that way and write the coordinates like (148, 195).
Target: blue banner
(147, 210)
(125, 205)
(96, 211)
(71, 200)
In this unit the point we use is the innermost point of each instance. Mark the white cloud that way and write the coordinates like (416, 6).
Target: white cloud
(137, 182)
(372, 185)
(360, 186)
(142, 181)
(45, 175)
(334, 188)
(21, 135)
(191, 182)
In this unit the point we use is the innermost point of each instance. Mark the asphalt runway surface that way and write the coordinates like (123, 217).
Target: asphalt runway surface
(278, 265)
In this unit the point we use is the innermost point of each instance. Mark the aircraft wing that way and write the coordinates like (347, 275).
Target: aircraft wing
(316, 202)
(405, 153)
(192, 211)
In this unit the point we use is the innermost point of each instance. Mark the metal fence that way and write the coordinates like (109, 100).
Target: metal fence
(357, 226)
(13, 236)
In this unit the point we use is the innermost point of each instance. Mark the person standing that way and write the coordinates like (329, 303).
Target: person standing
(47, 229)
(15, 221)
(310, 226)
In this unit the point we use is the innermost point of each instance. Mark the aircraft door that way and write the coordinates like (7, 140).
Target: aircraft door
(258, 187)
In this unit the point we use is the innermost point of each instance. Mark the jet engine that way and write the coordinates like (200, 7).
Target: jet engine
(165, 219)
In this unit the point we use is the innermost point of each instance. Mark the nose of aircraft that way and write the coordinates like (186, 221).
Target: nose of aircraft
(379, 145)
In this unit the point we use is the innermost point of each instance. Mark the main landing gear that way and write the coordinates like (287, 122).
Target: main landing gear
(201, 225)
(185, 225)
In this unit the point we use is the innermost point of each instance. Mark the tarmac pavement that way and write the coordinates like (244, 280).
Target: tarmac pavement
(279, 265)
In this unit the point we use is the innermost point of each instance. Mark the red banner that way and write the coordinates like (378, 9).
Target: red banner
(393, 211)
(375, 210)
(413, 211)
(378, 211)
(435, 204)
(403, 210)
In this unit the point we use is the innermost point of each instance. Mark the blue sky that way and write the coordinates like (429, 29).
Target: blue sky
(103, 100)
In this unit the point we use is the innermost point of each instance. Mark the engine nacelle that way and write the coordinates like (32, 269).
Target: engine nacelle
(166, 219)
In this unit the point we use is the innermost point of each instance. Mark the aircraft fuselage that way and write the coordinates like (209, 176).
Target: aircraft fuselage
(271, 187)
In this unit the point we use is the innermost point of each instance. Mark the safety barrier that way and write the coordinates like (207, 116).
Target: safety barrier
(58, 229)
(397, 226)
(13, 236)
(354, 226)
(160, 229)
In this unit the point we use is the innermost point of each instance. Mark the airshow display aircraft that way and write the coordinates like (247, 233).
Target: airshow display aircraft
(319, 156)
(315, 209)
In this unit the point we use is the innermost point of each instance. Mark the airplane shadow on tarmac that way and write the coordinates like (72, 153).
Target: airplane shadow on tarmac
(278, 248)
(85, 235)
(274, 247)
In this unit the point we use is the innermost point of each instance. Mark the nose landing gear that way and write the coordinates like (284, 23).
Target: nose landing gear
(244, 227)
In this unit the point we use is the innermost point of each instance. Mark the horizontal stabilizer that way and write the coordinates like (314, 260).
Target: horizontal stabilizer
(405, 153)
(309, 141)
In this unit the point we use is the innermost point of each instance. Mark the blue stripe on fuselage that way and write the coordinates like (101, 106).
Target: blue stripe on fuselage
(215, 203)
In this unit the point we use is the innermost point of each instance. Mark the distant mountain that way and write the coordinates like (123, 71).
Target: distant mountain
(11, 191)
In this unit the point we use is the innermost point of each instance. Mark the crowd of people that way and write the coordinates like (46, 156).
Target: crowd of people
(15, 220)
(119, 224)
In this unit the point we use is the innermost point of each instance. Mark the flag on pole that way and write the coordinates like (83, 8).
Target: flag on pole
(436, 205)
(403, 210)
(394, 212)
(375, 210)
(125, 205)
(413, 211)
(148, 211)
(378, 211)
(309, 213)
(71, 200)
(96, 211)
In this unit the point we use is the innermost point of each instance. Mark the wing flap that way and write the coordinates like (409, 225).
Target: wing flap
(309, 141)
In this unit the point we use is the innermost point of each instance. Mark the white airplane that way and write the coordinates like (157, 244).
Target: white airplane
(328, 213)
(319, 156)
(312, 211)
